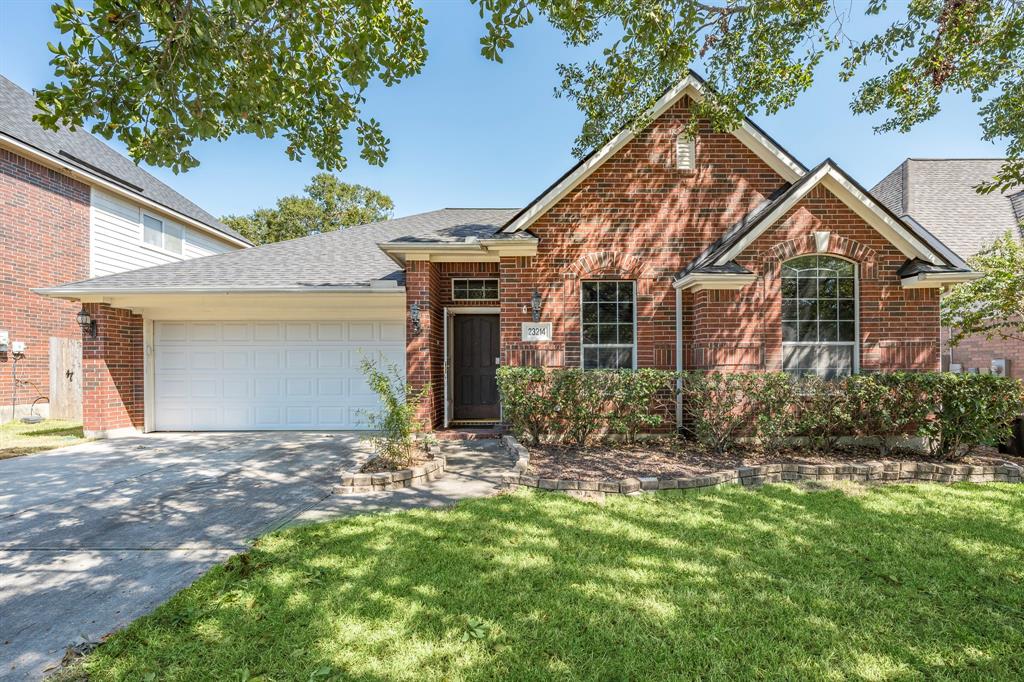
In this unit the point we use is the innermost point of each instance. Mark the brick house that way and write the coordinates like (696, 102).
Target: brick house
(657, 250)
(73, 208)
(939, 194)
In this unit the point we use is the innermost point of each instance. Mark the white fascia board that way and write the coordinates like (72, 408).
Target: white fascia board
(719, 280)
(71, 293)
(94, 180)
(856, 200)
(748, 134)
(481, 250)
(935, 280)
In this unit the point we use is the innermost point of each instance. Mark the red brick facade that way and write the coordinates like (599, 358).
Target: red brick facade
(977, 352)
(112, 364)
(44, 239)
(639, 218)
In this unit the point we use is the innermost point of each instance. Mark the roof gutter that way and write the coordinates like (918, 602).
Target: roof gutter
(470, 250)
(90, 178)
(936, 280)
(698, 281)
(71, 292)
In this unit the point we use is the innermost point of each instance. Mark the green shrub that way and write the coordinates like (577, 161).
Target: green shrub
(396, 423)
(775, 409)
(581, 398)
(826, 411)
(717, 406)
(640, 400)
(969, 410)
(526, 401)
(888, 407)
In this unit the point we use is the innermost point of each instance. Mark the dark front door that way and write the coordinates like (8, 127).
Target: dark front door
(474, 367)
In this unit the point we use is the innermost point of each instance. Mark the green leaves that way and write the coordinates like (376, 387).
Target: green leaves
(994, 304)
(329, 205)
(160, 76)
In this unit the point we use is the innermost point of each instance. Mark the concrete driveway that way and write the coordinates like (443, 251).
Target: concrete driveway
(95, 535)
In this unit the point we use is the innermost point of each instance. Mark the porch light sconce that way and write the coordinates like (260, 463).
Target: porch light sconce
(86, 322)
(414, 316)
(535, 305)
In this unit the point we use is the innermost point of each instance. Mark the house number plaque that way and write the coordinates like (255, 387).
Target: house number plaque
(536, 331)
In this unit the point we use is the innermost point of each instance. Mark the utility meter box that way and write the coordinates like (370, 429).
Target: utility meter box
(1000, 367)
(18, 347)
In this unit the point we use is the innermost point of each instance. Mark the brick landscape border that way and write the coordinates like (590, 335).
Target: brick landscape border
(356, 482)
(882, 472)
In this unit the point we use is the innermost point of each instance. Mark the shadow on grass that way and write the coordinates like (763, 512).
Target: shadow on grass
(901, 581)
(58, 432)
(26, 439)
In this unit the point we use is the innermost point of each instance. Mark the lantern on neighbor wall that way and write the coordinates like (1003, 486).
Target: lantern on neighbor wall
(86, 322)
(535, 302)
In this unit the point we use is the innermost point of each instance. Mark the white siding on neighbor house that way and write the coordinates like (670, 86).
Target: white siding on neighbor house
(116, 245)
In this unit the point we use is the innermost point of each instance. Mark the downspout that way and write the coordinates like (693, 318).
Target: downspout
(679, 356)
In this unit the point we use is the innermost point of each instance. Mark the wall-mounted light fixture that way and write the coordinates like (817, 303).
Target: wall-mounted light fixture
(535, 305)
(86, 322)
(414, 316)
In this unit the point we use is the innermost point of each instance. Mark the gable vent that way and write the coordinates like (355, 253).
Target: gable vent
(686, 152)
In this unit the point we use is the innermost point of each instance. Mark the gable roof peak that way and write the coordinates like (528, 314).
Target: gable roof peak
(693, 85)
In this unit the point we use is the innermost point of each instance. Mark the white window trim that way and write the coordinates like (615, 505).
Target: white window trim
(497, 280)
(856, 312)
(636, 330)
(163, 234)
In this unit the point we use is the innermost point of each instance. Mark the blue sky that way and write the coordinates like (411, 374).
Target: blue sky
(468, 132)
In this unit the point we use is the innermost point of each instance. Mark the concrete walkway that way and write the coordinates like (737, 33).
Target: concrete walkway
(96, 535)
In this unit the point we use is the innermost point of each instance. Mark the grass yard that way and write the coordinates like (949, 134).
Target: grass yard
(896, 582)
(18, 439)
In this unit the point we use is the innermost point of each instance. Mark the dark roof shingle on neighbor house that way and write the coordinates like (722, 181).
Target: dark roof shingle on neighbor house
(80, 149)
(347, 257)
(939, 194)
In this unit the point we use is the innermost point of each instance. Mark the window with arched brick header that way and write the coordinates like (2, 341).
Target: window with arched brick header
(820, 316)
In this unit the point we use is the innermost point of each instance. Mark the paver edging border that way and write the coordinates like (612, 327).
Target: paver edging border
(881, 472)
(357, 482)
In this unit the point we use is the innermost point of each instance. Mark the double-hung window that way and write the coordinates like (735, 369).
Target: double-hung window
(609, 325)
(819, 316)
(161, 234)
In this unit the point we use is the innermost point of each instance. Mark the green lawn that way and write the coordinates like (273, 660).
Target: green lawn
(898, 582)
(18, 439)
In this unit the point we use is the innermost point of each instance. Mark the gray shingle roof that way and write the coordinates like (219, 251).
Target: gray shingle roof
(348, 257)
(939, 194)
(80, 148)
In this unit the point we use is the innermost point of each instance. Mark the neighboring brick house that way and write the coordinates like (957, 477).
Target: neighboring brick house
(939, 194)
(72, 208)
(719, 252)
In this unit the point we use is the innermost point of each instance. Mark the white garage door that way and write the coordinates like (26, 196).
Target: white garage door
(223, 376)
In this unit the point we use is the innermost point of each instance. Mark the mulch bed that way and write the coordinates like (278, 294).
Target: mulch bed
(682, 459)
(375, 465)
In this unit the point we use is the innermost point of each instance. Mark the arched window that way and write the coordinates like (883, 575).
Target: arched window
(819, 316)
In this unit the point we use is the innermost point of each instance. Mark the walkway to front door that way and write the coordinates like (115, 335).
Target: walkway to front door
(475, 353)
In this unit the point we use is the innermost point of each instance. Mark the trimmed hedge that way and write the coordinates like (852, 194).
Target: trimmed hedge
(950, 411)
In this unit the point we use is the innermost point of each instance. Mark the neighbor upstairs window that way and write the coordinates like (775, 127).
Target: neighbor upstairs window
(161, 234)
(609, 325)
(819, 316)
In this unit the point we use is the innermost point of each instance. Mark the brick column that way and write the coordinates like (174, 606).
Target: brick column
(113, 374)
(424, 352)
